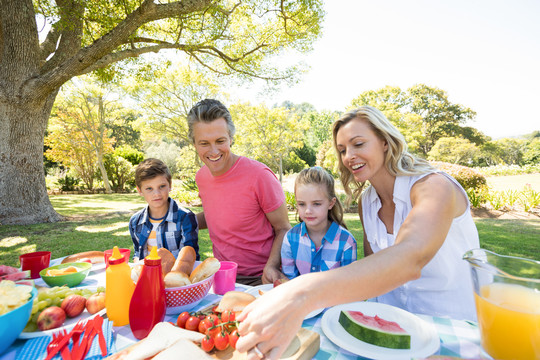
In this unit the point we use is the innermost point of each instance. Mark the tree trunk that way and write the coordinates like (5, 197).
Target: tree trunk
(23, 193)
(104, 174)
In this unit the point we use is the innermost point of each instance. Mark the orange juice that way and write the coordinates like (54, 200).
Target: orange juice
(509, 320)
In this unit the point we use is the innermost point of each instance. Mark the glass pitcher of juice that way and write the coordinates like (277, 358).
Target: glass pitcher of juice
(507, 297)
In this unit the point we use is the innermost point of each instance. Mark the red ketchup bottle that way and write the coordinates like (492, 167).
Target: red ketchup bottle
(147, 306)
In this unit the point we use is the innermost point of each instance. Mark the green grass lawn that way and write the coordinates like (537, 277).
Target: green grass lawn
(98, 222)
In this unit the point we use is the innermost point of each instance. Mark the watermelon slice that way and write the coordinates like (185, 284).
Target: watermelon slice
(6, 270)
(16, 276)
(374, 330)
(28, 282)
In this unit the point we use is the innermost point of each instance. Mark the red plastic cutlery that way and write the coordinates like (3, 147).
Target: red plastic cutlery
(59, 344)
(98, 322)
(79, 352)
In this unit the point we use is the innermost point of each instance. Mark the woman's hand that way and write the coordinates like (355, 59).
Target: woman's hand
(271, 322)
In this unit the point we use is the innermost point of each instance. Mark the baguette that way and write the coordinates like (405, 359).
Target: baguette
(94, 257)
(167, 260)
(205, 269)
(186, 259)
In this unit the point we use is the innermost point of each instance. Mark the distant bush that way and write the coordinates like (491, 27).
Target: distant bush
(293, 164)
(290, 200)
(68, 183)
(134, 156)
(190, 198)
(467, 177)
(190, 184)
(120, 171)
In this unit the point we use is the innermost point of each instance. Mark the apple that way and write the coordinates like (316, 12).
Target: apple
(51, 318)
(73, 305)
(95, 303)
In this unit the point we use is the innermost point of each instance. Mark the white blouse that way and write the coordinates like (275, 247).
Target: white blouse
(445, 286)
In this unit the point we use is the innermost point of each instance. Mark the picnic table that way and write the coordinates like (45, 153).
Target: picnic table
(457, 338)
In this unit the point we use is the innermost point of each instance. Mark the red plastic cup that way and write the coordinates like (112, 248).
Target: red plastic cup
(35, 262)
(225, 277)
(108, 254)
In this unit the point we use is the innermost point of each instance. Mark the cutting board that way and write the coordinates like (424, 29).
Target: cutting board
(304, 346)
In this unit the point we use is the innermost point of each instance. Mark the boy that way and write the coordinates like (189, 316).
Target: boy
(162, 223)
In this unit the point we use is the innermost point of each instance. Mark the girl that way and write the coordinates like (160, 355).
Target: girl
(320, 241)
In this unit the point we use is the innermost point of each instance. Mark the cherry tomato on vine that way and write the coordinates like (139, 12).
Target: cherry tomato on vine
(228, 316)
(207, 344)
(204, 325)
(221, 341)
(213, 332)
(193, 323)
(233, 338)
(213, 318)
(182, 318)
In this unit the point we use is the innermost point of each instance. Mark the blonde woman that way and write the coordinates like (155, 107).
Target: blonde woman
(417, 225)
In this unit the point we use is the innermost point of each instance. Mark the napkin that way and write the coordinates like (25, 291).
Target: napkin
(36, 348)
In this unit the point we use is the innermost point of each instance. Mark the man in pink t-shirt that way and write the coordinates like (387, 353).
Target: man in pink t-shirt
(243, 203)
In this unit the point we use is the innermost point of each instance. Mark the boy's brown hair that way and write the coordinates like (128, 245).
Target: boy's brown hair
(149, 169)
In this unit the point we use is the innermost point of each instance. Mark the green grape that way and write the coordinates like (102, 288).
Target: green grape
(87, 292)
(62, 293)
(56, 301)
(42, 304)
(50, 295)
(42, 295)
(34, 317)
(35, 308)
(30, 327)
(101, 289)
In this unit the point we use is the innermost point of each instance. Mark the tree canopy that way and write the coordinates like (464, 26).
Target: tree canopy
(422, 113)
(108, 38)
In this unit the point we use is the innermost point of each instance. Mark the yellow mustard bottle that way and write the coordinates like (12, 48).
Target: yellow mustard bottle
(119, 289)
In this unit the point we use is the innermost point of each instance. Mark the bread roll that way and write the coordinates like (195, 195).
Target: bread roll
(234, 301)
(167, 260)
(186, 259)
(136, 272)
(176, 279)
(205, 269)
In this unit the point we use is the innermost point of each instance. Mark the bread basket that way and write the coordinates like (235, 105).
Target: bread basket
(184, 298)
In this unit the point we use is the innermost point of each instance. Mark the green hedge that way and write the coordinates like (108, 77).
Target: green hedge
(467, 177)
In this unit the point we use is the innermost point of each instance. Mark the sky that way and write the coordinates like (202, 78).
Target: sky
(484, 53)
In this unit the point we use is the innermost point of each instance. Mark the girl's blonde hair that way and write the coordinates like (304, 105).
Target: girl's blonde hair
(318, 176)
(398, 160)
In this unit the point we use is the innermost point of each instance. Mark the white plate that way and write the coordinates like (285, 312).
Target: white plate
(267, 287)
(424, 338)
(255, 290)
(69, 323)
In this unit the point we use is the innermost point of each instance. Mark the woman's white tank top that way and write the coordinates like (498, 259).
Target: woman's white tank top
(445, 286)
